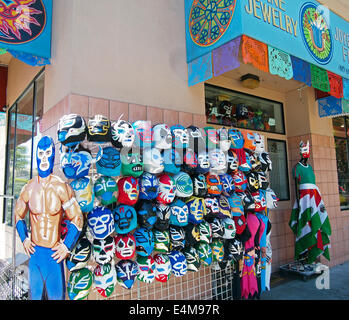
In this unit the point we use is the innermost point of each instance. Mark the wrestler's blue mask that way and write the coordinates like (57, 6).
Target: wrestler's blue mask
(45, 156)
(101, 223)
(126, 273)
(172, 161)
(149, 186)
(178, 263)
(180, 137)
(179, 213)
(84, 193)
(71, 130)
(125, 218)
(227, 182)
(110, 163)
(236, 138)
(144, 241)
(147, 214)
(76, 164)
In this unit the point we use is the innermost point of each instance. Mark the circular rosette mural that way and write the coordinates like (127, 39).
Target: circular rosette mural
(209, 20)
(21, 20)
(316, 33)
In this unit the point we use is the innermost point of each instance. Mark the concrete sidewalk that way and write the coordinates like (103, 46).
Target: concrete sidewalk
(294, 288)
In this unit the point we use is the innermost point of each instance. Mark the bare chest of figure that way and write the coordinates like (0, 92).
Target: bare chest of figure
(45, 214)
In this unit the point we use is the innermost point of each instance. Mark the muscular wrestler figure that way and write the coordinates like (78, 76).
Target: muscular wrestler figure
(48, 199)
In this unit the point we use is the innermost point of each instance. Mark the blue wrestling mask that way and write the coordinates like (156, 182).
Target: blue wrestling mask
(45, 156)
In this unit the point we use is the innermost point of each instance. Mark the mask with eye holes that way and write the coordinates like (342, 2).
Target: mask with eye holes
(98, 129)
(217, 228)
(205, 253)
(263, 180)
(199, 185)
(131, 162)
(172, 161)
(192, 257)
(84, 193)
(162, 241)
(184, 185)
(103, 250)
(76, 164)
(214, 185)
(218, 161)
(180, 137)
(79, 284)
(224, 207)
(128, 190)
(204, 163)
(125, 218)
(105, 279)
(167, 189)
(234, 250)
(144, 241)
(80, 255)
(122, 134)
(228, 183)
(224, 141)
(162, 137)
(197, 209)
(110, 163)
(192, 234)
(148, 186)
(146, 214)
(101, 223)
(232, 162)
(143, 133)
(178, 263)
(71, 130)
(126, 273)
(106, 190)
(212, 208)
(163, 213)
(217, 248)
(153, 161)
(259, 139)
(190, 161)
(146, 269)
(45, 156)
(196, 139)
(205, 232)
(177, 237)
(253, 181)
(179, 213)
(266, 163)
(162, 267)
(125, 246)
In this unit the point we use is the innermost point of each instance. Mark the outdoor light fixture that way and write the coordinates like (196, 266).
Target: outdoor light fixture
(250, 81)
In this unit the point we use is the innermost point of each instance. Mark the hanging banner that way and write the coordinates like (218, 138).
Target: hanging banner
(255, 53)
(200, 69)
(304, 29)
(330, 107)
(301, 70)
(25, 29)
(280, 63)
(319, 78)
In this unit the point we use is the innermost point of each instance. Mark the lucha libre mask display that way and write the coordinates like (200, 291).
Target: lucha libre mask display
(162, 137)
(177, 237)
(248, 200)
(148, 186)
(106, 190)
(260, 200)
(218, 161)
(205, 232)
(162, 241)
(143, 133)
(45, 156)
(162, 267)
(103, 250)
(163, 214)
(80, 255)
(224, 207)
(197, 210)
(227, 183)
(212, 139)
(98, 129)
(178, 263)
(266, 164)
(180, 137)
(192, 234)
(131, 163)
(192, 257)
(217, 228)
(144, 241)
(153, 161)
(125, 218)
(196, 139)
(190, 161)
(110, 163)
(304, 149)
(205, 253)
(240, 181)
(146, 269)
(212, 208)
(240, 224)
(232, 162)
(146, 214)
(101, 222)
(199, 185)
(122, 134)
(236, 138)
(76, 164)
(179, 213)
(172, 161)
(224, 141)
(214, 185)
(252, 181)
(125, 246)
(236, 205)
(167, 189)
(204, 163)
(255, 162)
(71, 130)
(126, 273)
(245, 165)
(249, 140)
(262, 180)
(184, 185)
(84, 193)
(234, 250)
(217, 248)
(229, 228)
(259, 139)
(272, 199)
(128, 190)
(105, 279)
(79, 284)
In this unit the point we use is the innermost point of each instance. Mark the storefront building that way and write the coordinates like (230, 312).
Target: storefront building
(180, 62)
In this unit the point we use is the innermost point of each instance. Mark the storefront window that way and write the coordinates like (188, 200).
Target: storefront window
(279, 175)
(231, 108)
(340, 130)
(23, 132)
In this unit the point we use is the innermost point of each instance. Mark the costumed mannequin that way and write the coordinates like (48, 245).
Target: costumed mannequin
(309, 220)
(48, 199)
